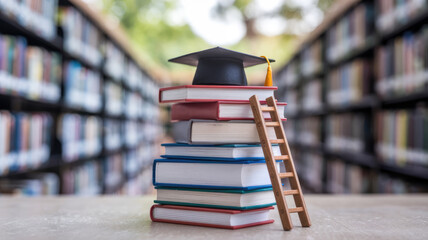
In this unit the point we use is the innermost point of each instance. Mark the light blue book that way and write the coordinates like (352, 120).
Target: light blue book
(230, 152)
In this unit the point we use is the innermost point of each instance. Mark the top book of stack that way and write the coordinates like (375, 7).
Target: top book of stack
(212, 93)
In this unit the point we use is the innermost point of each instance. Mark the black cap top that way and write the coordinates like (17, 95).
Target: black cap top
(219, 66)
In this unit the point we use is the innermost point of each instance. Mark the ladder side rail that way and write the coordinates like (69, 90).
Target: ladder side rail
(289, 165)
(270, 162)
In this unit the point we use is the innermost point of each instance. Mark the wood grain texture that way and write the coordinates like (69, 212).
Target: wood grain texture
(280, 200)
(333, 217)
(289, 166)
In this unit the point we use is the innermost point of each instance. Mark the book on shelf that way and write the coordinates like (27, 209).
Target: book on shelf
(309, 129)
(217, 132)
(209, 93)
(211, 174)
(403, 65)
(350, 32)
(115, 61)
(290, 96)
(81, 38)
(310, 168)
(347, 132)
(139, 185)
(113, 139)
(231, 152)
(288, 75)
(391, 184)
(311, 59)
(82, 87)
(114, 95)
(312, 96)
(133, 105)
(216, 198)
(114, 173)
(350, 82)
(29, 71)
(80, 136)
(85, 179)
(210, 217)
(217, 110)
(348, 178)
(402, 136)
(38, 16)
(35, 184)
(397, 13)
(25, 140)
(134, 77)
(134, 134)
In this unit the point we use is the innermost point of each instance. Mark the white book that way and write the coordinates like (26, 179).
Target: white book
(243, 175)
(216, 152)
(215, 132)
(213, 92)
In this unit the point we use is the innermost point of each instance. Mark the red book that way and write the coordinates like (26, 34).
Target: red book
(210, 217)
(210, 93)
(217, 110)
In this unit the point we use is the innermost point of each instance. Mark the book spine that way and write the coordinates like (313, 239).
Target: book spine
(402, 137)
(402, 65)
(187, 111)
(75, 143)
(81, 37)
(23, 140)
(29, 71)
(181, 131)
(82, 87)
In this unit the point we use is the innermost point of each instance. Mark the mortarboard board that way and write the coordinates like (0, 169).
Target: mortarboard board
(219, 66)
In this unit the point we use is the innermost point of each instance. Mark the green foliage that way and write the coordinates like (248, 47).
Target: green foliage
(157, 38)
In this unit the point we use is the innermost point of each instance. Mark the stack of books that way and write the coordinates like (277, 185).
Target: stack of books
(215, 174)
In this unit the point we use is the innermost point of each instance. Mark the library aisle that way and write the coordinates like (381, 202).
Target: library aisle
(333, 217)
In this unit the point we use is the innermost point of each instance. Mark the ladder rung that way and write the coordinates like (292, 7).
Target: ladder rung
(274, 141)
(291, 192)
(267, 109)
(282, 157)
(272, 124)
(286, 174)
(294, 210)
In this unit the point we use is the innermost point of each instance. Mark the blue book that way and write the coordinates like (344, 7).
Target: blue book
(241, 175)
(229, 152)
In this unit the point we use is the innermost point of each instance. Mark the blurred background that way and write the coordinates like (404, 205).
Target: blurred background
(79, 83)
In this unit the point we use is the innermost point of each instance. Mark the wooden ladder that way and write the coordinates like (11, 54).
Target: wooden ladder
(275, 175)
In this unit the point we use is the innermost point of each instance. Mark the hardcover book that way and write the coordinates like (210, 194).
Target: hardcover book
(210, 217)
(214, 132)
(217, 110)
(216, 198)
(208, 93)
(230, 152)
(241, 175)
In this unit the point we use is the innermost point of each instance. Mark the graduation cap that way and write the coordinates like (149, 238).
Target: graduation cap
(220, 66)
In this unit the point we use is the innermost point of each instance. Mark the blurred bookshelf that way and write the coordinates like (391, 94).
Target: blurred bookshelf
(78, 111)
(357, 89)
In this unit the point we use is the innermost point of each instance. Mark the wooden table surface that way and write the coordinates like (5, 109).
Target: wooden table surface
(333, 217)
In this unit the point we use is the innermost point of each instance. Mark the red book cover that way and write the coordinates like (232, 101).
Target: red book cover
(228, 211)
(208, 86)
(207, 110)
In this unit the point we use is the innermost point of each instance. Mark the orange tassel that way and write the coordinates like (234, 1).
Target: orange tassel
(268, 81)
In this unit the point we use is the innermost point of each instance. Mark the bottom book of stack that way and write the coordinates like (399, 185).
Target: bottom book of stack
(222, 186)
(210, 217)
